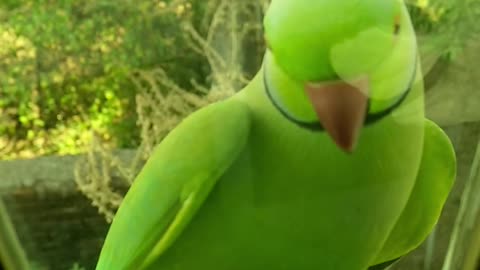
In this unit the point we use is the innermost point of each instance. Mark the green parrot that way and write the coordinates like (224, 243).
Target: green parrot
(323, 161)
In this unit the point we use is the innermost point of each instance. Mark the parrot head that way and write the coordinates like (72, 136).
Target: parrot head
(336, 64)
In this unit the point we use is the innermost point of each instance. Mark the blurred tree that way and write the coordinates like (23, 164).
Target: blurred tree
(65, 67)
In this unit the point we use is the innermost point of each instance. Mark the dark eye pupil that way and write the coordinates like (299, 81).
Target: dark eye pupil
(396, 29)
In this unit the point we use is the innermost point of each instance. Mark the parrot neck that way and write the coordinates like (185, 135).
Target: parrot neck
(288, 96)
(290, 100)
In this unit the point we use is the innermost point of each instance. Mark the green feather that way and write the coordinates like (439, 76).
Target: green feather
(434, 181)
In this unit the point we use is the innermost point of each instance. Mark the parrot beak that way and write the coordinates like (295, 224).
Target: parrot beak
(341, 109)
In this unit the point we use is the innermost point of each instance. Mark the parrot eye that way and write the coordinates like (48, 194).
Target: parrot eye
(396, 25)
(396, 29)
(267, 44)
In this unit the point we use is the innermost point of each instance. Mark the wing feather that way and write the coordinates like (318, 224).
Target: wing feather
(174, 183)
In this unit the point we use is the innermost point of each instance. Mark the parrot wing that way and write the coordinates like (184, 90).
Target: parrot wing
(173, 184)
(434, 181)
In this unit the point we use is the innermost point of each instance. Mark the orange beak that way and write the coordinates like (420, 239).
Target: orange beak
(341, 109)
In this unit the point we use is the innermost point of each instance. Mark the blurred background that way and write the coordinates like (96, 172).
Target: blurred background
(87, 88)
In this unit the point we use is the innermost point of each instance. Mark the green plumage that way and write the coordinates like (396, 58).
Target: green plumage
(239, 185)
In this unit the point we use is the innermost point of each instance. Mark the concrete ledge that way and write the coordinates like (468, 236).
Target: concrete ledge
(46, 223)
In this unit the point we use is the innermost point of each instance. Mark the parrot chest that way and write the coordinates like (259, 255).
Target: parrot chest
(297, 189)
(292, 200)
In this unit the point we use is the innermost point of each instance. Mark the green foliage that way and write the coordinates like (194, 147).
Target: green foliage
(65, 69)
(450, 24)
(76, 266)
